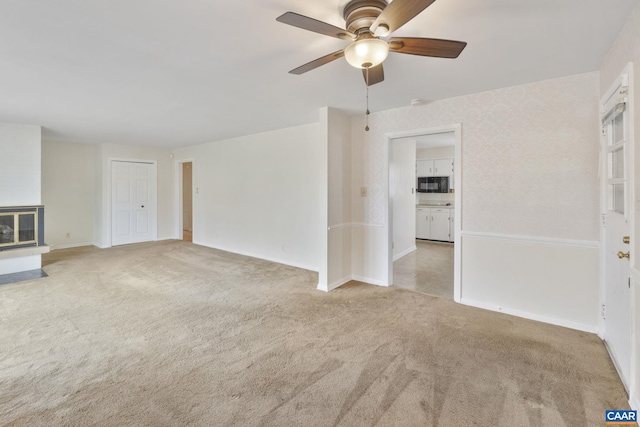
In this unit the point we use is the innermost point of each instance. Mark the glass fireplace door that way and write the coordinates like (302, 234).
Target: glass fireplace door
(18, 228)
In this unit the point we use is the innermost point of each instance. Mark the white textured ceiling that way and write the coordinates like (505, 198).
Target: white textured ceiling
(173, 73)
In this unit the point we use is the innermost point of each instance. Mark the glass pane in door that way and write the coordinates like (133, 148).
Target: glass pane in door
(616, 198)
(617, 163)
(618, 128)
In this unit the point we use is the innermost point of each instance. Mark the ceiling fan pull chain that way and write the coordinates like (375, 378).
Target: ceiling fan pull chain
(366, 128)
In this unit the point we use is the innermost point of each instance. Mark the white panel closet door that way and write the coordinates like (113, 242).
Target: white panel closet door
(133, 204)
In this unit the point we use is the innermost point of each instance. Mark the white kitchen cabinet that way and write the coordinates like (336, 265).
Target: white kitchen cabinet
(435, 224)
(424, 168)
(443, 167)
(440, 224)
(434, 167)
(423, 222)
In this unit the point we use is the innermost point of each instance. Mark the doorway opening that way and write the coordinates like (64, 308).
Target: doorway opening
(423, 219)
(187, 201)
(424, 210)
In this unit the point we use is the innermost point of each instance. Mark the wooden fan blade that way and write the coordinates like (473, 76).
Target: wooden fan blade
(317, 62)
(399, 12)
(376, 75)
(314, 25)
(426, 47)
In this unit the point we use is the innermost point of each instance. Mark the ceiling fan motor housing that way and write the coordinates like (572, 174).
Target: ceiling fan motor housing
(359, 15)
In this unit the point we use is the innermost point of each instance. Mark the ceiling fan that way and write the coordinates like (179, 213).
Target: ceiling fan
(367, 22)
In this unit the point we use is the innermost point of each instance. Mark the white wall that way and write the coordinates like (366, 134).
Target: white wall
(20, 180)
(539, 280)
(518, 185)
(339, 197)
(436, 152)
(68, 193)
(260, 195)
(166, 229)
(402, 183)
(627, 49)
(20, 171)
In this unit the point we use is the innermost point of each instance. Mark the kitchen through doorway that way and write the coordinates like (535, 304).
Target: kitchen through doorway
(422, 205)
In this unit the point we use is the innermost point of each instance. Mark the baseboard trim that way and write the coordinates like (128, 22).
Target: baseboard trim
(616, 365)
(72, 245)
(253, 255)
(592, 244)
(405, 252)
(634, 403)
(347, 279)
(369, 280)
(334, 285)
(531, 316)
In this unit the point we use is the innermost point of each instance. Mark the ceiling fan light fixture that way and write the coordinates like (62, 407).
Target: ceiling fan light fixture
(366, 53)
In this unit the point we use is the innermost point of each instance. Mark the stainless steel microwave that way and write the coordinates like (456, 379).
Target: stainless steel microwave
(433, 184)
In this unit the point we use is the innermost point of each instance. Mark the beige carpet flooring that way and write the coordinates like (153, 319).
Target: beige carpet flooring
(173, 334)
(428, 269)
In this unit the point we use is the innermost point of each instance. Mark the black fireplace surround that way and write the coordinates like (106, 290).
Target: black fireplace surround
(21, 227)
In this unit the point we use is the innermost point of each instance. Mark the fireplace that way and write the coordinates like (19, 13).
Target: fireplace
(21, 227)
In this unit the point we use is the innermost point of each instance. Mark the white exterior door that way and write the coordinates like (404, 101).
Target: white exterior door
(617, 215)
(133, 202)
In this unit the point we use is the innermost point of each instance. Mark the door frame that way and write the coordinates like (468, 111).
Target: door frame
(625, 78)
(109, 198)
(457, 176)
(177, 205)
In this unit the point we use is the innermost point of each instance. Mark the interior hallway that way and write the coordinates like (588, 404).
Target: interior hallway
(428, 269)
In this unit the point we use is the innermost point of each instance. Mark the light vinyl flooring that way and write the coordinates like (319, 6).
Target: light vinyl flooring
(428, 269)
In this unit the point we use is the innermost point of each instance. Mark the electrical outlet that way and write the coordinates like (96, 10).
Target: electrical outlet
(363, 191)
